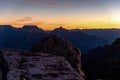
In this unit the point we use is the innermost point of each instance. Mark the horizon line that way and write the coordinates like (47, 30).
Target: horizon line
(59, 27)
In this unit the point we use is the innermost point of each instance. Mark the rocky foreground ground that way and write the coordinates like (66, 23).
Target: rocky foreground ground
(24, 65)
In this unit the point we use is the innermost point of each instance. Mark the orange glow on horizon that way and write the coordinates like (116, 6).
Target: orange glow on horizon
(92, 25)
(68, 25)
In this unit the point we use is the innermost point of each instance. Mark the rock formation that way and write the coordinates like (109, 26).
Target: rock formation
(90, 62)
(55, 45)
(110, 61)
(25, 65)
(104, 62)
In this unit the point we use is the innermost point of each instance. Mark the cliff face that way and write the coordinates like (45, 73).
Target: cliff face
(55, 45)
(24, 65)
(104, 62)
(110, 61)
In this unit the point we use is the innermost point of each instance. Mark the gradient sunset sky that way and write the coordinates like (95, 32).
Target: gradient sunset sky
(49, 14)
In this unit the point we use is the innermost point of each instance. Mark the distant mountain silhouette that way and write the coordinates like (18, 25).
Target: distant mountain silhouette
(6, 27)
(21, 38)
(83, 41)
(104, 62)
(7, 32)
(60, 29)
(24, 38)
(108, 34)
(31, 28)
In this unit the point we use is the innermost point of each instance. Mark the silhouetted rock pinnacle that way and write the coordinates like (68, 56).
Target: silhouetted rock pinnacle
(58, 46)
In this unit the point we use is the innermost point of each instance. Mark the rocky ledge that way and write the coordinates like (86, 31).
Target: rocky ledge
(55, 45)
(23, 65)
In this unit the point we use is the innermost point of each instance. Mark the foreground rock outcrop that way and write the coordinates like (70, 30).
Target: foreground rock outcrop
(24, 65)
(55, 45)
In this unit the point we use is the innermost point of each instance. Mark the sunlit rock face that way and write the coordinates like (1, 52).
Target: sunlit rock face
(53, 44)
(25, 65)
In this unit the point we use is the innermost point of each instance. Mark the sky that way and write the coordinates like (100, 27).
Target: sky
(71, 14)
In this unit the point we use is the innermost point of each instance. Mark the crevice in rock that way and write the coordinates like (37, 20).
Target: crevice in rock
(3, 68)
